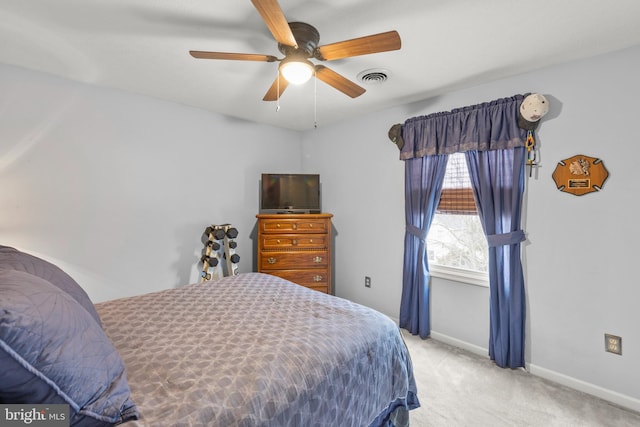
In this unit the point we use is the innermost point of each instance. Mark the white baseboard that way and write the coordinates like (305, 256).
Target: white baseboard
(614, 397)
(475, 349)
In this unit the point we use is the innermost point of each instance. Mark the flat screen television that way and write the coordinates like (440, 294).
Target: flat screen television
(290, 193)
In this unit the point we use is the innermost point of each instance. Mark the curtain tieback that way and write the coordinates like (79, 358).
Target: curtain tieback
(506, 238)
(418, 232)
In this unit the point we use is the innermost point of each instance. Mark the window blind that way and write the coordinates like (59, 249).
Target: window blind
(457, 194)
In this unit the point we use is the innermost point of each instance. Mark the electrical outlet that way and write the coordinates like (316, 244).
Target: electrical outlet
(367, 281)
(613, 344)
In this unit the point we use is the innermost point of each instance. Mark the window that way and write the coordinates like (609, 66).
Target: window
(457, 247)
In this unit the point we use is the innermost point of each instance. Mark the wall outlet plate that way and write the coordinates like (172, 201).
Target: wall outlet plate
(613, 344)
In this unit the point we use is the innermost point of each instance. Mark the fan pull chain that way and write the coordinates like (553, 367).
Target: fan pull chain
(278, 92)
(315, 100)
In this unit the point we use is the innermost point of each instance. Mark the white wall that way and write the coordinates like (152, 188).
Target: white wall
(118, 189)
(580, 254)
(362, 185)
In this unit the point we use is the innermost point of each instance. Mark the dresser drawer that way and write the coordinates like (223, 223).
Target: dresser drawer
(294, 226)
(314, 279)
(288, 260)
(287, 241)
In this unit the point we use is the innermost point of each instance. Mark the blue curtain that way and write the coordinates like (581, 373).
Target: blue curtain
(489, 128)
(423, 185)
(497, 178)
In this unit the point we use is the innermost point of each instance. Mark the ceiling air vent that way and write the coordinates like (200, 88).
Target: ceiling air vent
(373, 76)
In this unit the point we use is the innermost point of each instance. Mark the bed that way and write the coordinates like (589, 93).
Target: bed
(246, 350)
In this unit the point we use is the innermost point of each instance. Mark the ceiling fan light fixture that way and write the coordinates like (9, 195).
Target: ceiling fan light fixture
(297, 70)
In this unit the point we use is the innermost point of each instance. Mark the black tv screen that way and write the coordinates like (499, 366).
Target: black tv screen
(290, 193)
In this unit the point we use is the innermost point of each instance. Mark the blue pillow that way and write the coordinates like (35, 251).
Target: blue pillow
(53, 351)
(14, 259)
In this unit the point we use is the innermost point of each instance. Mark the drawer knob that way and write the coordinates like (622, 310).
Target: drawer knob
(317, 259)
(295, 226)
(294, 242)
(271, 260)
(317, 278)
(277, 225)
(278, 241)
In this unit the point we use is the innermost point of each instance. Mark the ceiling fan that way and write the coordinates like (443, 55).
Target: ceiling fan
(298, 41)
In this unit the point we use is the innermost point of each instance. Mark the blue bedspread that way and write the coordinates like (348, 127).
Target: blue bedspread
(256, 350)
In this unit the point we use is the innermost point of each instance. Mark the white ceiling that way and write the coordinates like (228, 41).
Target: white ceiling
(142, 46)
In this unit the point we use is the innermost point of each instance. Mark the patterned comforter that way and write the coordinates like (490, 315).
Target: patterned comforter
(256, 350)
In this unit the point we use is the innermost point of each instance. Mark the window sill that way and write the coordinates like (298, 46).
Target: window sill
(469, 277)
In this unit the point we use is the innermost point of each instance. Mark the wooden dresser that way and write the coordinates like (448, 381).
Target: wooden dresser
(296, 247)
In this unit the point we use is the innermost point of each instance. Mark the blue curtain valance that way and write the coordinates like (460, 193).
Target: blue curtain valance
(487, 126)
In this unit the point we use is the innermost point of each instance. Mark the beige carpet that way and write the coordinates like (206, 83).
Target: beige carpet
(458, 388)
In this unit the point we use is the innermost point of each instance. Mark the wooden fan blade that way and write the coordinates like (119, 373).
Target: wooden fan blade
(276, 22)
(339, 82)
(233, 56)
(273, 94)
(374, 43)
